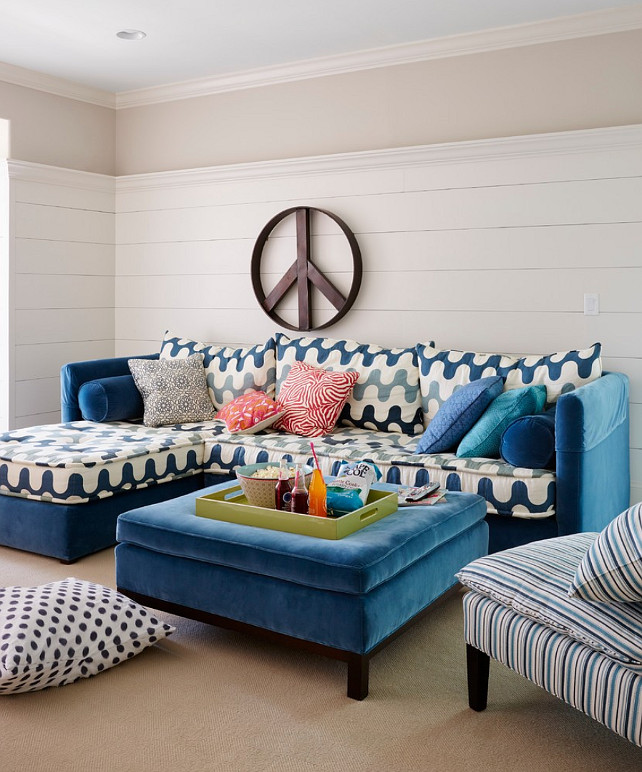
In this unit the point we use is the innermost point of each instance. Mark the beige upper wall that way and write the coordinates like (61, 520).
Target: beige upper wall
(574, 84)
(57, 131)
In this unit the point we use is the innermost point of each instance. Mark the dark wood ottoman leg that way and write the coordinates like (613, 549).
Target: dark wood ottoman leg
(478, 665)
(358, 672)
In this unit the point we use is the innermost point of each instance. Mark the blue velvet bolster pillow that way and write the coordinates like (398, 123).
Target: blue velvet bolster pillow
(110, 399)
(529, 441)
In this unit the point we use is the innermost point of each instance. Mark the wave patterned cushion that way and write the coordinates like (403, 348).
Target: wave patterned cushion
(559, 372)
(56, 633)
(509, 491)
(173, 391)
(230, 371)
(84, 461)
(441, 372)
(311, 399)
(386, 396)
(484, 439)
(459, 413)
(611, 570)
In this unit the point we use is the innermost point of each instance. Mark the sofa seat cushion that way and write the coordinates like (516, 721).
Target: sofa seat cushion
(534, 581)
(509, 490)
(81, 461)
(355, 564)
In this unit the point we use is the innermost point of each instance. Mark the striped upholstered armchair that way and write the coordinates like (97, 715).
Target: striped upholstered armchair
(566, 613)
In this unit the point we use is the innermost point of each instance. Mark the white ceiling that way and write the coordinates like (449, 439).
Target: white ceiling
(189, 39)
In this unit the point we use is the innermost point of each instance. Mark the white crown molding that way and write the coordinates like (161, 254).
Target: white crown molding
(563, 28)
(19, 76)
(26, 171)
(550, 30)
(585, 140)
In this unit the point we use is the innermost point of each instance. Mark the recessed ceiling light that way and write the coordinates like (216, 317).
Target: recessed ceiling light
(131, 34)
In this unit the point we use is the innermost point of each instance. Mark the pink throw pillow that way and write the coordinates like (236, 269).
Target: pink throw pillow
(311, 399)
(246, 411)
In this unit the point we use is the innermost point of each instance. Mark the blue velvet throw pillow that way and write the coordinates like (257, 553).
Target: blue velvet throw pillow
(483, 440)
(459, 413)
(529, 441)
(110, 399)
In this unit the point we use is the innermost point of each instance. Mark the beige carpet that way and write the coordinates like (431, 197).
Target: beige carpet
(206, 699)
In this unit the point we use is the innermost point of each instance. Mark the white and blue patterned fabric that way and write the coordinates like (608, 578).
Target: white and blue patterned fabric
(509, 491)
(611, 570)
(231, 371)
(441, 371)
(584, 678)
(385, 397)
(534, 579)
(81, 461)
(560, 372)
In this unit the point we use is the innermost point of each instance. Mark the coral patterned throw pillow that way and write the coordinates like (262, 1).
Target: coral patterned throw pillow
(312, 398)
(249, 411)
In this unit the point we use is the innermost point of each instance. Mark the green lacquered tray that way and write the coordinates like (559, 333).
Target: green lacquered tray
(231, 506)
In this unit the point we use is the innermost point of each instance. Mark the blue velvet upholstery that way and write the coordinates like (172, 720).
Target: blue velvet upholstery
(349, 594)
(110, 399)
(354, 564)
(592, 449)
(71, 531)
(506, 532)
(73, 375)
(529, 441)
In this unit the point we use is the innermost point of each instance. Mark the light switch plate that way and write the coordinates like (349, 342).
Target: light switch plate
(591, 304)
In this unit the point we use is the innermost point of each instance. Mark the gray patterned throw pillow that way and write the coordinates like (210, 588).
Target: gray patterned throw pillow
(174, 391)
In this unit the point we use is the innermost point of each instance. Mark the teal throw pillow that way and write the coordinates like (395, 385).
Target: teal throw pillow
(459, 413)
(483, 440)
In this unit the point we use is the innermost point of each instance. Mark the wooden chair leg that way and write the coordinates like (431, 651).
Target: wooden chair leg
(478, 665)
(358, 674)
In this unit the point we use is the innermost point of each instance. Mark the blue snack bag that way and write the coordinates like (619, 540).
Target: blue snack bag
(349, 491)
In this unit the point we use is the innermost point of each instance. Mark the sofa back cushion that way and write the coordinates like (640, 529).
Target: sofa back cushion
(386, 396)
(442, 371)
(560, 372)
(230, 370)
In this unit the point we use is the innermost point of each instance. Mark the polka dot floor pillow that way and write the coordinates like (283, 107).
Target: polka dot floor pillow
(56, 633)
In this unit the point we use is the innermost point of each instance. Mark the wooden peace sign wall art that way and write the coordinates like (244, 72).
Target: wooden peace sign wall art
(304, 272)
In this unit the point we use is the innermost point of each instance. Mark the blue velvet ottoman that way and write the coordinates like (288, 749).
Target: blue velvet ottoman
(344, 599)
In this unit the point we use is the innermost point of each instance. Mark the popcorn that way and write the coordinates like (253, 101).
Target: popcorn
(272, 472)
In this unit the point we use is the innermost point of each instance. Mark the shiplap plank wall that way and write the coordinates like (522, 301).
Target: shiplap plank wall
(62, 258)
(486, 246)
(6, 284)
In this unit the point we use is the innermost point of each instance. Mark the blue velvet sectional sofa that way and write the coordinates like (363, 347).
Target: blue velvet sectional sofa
(64, 485)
